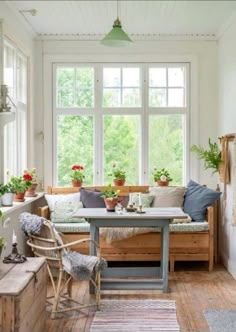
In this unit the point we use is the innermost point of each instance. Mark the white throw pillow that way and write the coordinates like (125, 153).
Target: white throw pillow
(52, 199)
(167, 196)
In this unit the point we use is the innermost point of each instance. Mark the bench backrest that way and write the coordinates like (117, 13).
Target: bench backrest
(124, 190)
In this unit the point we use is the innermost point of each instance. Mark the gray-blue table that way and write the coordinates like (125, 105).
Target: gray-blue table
(133, 277)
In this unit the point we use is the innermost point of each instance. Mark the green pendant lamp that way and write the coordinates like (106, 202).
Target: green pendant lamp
(116, 37)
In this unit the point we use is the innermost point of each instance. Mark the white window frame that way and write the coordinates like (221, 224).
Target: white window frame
(192, 121)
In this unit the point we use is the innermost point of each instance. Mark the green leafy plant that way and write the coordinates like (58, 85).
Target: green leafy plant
(5, 188)
(117, 172)
(20, 184)
(210, 156)
(110, 193)
(162, 174)
(77, 172)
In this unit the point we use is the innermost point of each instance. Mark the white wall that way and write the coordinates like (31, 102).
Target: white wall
(201, 54)
(227, 124)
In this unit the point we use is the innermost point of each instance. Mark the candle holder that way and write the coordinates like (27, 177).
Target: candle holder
(140, 209)
(14, 257)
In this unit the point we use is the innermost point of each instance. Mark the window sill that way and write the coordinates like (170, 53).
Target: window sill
(28, 200)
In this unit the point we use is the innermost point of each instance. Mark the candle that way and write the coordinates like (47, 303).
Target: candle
(14, 238)
(139, 199)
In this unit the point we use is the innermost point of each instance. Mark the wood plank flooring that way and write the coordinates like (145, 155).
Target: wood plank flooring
(192, 287)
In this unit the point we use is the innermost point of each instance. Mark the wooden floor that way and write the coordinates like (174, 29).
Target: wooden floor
(191, 286)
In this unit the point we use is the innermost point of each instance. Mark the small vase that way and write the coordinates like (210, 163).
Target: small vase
(162, 183)
(76, 183)
(119, 182)
(7, 199)
(31, 191)
(110, 204)
(19, 197)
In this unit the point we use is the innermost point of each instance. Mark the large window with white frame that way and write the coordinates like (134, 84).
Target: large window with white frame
(134, 115)
(15, 131)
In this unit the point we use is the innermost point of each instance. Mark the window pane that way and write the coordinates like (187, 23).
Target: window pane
(75, 87)
(85, 98)
(157, 77)
(9, 60)
(176, 77)
(176, 98)
(166, 144)
(111, 77)
(65, 87)
(21, 76)
(131, 77)
(157, 97)
(121, 146)
(74, 145)
(131, 98)
(111, 97)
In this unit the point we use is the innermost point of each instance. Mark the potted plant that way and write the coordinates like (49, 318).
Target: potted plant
(118, 174)
(77, 175)
(19, 185)
(110, 197)
(6, 194)
(30, 192)
(211, 156)
(162, 177)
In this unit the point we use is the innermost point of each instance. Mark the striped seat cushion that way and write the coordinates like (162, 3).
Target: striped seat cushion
(183, 227)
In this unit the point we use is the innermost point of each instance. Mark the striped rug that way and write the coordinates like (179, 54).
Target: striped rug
(135, 316)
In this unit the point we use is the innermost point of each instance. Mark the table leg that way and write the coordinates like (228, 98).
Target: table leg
(165, 256)
(94, 235)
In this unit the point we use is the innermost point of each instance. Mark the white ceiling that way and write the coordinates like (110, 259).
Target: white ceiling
(139, 18)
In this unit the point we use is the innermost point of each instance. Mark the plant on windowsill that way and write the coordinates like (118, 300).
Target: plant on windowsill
(118, 174)
(211, 156)
(6, 194)
(30, 192)
(162, 177)
(19, 185)
(110, 197)
(77, 175)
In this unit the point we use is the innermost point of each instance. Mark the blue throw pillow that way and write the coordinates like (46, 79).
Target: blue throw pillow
(91, 199)
(196, 200)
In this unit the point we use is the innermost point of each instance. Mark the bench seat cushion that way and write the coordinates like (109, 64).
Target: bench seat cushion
(178, 228)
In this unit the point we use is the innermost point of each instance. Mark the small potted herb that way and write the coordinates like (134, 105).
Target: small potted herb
(162, 177)
(118, 174)
(110, 197)
(6, 194)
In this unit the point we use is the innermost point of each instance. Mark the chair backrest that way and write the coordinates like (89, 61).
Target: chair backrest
(46, 239)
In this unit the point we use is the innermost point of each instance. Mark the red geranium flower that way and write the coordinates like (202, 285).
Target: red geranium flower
(27, 177)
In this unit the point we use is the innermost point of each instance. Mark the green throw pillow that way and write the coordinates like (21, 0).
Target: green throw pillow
(146, 199)
(64, 210)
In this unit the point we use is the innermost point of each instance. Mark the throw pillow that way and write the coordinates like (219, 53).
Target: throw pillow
(167, 196)
(197, 198)
(52, 199)
(63, 212)
(91, 199)
(146, 199)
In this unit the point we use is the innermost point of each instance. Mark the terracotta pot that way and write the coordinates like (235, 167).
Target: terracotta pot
(76, 183)
(110, 204)
(162, 183)
(119, 182)
(31, 191)
(19, 197)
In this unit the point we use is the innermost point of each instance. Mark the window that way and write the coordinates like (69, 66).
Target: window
(121, 87)
(134, 115)
(15, 132)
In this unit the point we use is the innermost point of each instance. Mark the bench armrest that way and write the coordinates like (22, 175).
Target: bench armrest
(43, 211)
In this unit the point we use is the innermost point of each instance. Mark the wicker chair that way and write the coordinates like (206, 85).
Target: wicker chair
(46, 245)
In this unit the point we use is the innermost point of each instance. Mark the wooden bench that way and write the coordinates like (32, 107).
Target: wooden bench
(184, 246)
